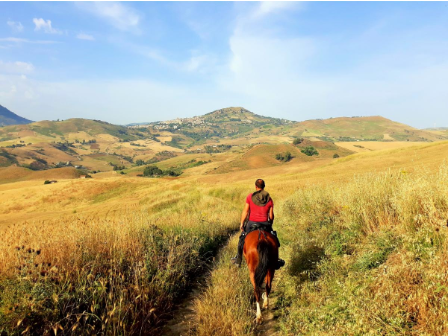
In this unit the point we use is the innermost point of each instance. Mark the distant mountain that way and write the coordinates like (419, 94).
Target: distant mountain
(57, 129)
(436, 129)
(230, 122)
(9, 118)
(374, 128)
(237, 122)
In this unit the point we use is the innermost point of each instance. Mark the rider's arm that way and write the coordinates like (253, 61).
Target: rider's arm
(244, 216)
(271, 214)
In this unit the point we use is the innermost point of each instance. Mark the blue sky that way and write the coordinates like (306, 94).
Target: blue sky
(126, 62)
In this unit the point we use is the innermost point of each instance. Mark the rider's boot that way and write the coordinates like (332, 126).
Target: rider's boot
(239, 256)
(280, 263)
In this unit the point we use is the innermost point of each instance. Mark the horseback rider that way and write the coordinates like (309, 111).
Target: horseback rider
(260, 210)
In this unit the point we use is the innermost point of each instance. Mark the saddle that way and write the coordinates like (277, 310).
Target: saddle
(258, 226)
(263, 228)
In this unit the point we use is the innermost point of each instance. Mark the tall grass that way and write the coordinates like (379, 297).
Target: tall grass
(225, 307)
(368, 256)
(115, 275)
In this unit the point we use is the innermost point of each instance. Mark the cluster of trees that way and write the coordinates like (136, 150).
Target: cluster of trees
(310, 151)
(154, 171)
(117, 167)
(217, 149)
(10, 157)
(297, 141)
(85, 142)
(65, 147)
(16, 145)
(284, 157)
(38, 164)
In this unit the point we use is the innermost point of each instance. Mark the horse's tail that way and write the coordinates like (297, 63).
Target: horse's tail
(263, 262)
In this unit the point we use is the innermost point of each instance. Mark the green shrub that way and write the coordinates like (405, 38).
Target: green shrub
(310, 151)
(284, 157)
(297, 141)
(152, 171)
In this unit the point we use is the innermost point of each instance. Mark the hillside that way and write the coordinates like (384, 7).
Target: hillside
(264, 155)
(231, 122)
(234, 123)
(9, 118)
(369, 227)
(229, 139)
(86, 144)
(362, 128)
(440, 131)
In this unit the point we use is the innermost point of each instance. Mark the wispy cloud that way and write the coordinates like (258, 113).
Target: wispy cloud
(41, 24)
(16, 67)
(121, 16)
(82, 36)
(15, 26)
(22, 40)
(271, 7)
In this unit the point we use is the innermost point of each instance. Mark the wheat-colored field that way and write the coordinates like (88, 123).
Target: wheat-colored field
(365, 146)
(112, 254)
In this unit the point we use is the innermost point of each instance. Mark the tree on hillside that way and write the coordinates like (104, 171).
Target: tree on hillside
(152, 171)
(284, 157)
(310, 151)
(297, 141)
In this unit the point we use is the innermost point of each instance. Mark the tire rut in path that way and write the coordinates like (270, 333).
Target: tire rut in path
(182, 322)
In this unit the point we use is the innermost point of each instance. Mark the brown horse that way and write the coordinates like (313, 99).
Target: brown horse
(261, 253)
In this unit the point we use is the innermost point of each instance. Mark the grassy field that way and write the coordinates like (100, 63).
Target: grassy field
(363, 128)
(365, 146)
(114, 253)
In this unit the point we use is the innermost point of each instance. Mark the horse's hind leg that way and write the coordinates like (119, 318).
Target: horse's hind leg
(257, 293)
(269, 278)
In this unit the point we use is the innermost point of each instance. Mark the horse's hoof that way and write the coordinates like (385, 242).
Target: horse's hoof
(258, 320)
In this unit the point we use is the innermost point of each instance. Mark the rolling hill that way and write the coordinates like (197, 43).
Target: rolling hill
(9, 118)
(362, 128)
(228, 139)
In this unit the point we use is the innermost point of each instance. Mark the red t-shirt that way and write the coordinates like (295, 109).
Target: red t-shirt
(258, 213)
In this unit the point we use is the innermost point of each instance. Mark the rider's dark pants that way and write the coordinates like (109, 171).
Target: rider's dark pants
(248, 228)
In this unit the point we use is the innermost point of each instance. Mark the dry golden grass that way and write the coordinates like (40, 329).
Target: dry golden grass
(106, 235)
(366, 146)
(365, 254)
(114, 272)
(378, 246)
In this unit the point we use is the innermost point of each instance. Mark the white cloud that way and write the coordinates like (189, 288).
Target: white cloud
(295, 76)
(83, 36)
(120, 16)
(270, 7)
(16, 67)
(41, 24)
(15, 26)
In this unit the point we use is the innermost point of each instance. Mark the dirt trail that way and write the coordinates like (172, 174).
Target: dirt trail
(182, 323)
(183, 316)
(268, 327)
